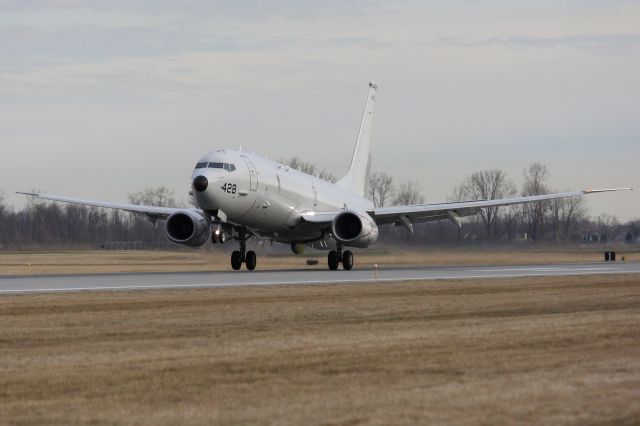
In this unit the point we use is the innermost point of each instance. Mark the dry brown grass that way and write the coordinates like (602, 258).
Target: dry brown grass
(72, 262)
(532, 350)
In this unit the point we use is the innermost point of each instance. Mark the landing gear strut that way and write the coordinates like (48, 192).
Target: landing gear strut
(238, 257)
(336, 257)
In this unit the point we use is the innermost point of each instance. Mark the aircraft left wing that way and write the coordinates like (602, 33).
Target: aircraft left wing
(407, 215)
(153, 211)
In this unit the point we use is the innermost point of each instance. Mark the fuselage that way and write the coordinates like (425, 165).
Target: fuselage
(267, 196)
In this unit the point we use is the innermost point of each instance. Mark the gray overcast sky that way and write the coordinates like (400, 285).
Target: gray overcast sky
(102, 98)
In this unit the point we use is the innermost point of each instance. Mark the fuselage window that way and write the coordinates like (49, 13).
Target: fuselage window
(226, 166)
(201, 165)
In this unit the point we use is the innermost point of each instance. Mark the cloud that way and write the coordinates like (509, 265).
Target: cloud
(603, 43)
(23, 45)
(364, 42)
(247, 9)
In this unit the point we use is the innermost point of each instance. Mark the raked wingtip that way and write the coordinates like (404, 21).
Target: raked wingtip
(593, 191)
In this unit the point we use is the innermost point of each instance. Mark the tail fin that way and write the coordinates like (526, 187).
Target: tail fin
(357, 177)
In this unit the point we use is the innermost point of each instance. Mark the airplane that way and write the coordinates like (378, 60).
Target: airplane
(240, 195)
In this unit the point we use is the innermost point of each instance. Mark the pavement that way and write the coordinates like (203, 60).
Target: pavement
(140, 281)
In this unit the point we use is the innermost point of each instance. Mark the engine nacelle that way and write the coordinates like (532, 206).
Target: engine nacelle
(355, 229)
(187, 228)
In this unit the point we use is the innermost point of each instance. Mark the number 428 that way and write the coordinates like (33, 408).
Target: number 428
(229, 188)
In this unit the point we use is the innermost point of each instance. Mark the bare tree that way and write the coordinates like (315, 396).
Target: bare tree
(634, 228)
(380, 188)
(308, 168)
(535, 178)
(510, 218)
(486, 185)
(326, 175)
(160, 196)
(2, 206)
(608, 227)
(408, 194)
(564, 214)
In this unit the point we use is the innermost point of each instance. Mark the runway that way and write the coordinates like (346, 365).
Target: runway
(140, 281)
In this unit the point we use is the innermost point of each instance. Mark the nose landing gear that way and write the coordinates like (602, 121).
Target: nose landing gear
(336, 257)
(218, 236)
(238, 257)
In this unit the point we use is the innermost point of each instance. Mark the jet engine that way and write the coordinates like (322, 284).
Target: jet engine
(187, 228)
(355, 229)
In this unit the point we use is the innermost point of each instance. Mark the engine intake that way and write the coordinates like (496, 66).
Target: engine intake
(353, 228)
(187, 228)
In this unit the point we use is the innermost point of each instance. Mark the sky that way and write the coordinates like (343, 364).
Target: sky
(99, 99)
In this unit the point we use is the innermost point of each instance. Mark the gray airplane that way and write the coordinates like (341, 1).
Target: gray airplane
(240, 195)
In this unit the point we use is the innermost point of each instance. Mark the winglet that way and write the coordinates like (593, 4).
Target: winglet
(593, 191)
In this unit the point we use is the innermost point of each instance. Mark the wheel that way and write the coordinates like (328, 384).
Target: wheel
(347, 260)
(236, 260)
(218, 236)
(333, 260)
(250, 260)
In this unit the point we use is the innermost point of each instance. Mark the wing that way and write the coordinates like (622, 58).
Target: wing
(406, 215)
(153, 211)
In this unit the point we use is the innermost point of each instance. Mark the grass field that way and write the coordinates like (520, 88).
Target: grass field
(531, 350)
(70, 262)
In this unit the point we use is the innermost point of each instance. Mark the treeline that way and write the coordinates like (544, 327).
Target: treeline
(564, 220)
(44, 225)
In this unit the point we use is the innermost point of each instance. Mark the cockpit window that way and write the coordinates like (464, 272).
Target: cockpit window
(201, 165)
(227, 166)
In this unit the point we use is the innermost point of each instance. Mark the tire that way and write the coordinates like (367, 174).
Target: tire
(347, 260)
(332, 260)
(250, 260)
(236, 260)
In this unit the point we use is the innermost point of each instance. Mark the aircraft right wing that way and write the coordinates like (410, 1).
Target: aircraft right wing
(152, 211)
(407, 215)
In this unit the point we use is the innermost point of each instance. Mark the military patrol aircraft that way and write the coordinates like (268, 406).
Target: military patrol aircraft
(240, 195)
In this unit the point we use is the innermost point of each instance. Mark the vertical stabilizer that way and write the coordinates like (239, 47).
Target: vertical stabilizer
(356, 178)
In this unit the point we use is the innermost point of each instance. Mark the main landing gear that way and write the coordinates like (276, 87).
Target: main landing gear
(238, 257)
(336, 257)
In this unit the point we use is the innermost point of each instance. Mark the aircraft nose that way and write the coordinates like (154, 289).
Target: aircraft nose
(200, 183)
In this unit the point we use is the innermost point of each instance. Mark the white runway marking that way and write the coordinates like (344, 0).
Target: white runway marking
(146, 281)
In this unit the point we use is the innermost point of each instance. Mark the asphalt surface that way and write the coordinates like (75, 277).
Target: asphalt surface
(140, 281)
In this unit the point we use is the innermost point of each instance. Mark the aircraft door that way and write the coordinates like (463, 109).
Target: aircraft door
(253, 174)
